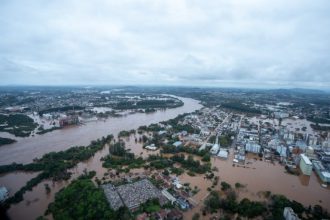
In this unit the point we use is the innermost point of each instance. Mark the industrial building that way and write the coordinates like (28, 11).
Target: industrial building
(252, 147)
(305, 165)
(132, 195)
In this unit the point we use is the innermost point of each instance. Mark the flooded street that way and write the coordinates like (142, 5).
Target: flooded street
(256, 176)
(272, 177)
(259, 176)
(36, 201)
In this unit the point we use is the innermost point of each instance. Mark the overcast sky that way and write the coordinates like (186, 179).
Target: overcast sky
(247, 43)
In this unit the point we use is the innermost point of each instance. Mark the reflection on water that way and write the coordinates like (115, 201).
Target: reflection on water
(304, 180)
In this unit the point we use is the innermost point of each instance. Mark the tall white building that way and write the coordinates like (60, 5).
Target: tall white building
(305, 165)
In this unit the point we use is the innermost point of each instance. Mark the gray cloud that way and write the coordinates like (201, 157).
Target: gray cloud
(173, 42)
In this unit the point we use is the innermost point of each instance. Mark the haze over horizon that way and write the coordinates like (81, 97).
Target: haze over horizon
(237, 43)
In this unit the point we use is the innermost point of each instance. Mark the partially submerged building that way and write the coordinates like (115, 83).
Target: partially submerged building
(252, 147)
(69, 120)
(305, 165)
(289, 214)
(215, 149)
(223, 153)
(321, 171)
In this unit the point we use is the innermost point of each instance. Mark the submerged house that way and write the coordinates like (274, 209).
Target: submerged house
(215, 149)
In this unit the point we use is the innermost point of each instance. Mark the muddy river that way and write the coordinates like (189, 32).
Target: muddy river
(25, 150)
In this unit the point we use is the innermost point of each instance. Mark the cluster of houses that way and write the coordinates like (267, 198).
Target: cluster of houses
(295, 148)
(293, 145)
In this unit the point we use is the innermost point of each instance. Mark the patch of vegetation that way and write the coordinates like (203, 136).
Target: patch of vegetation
(151, 206)
(319, 120)
(126, 133)
(191, 164)
(4, 141)
(83, 200)
(149, 104)
(53, 165)
(320, 128)
(225, 140)
(245, 207)
(19, 125)
(225, 186)
(60, 109)
(252, 209)
(238, 185)
(177, 171)
(119, 156)
(178, 127)
(44, 131)
(160, 163)
(238, 106)
(152, 127)
(279, 202)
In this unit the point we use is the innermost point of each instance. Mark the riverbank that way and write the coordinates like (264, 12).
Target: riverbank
(25, 150)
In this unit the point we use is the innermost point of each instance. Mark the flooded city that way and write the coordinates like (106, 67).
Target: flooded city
(26, 149)
(256, 175)
(164, 110)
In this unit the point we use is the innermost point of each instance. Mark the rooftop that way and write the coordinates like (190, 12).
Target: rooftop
(132, 195)
(306, 160)
(112, 196)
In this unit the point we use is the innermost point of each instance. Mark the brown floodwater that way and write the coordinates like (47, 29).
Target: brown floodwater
(15, 180)
(25, 150)
(259, 176)
(264, 176)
